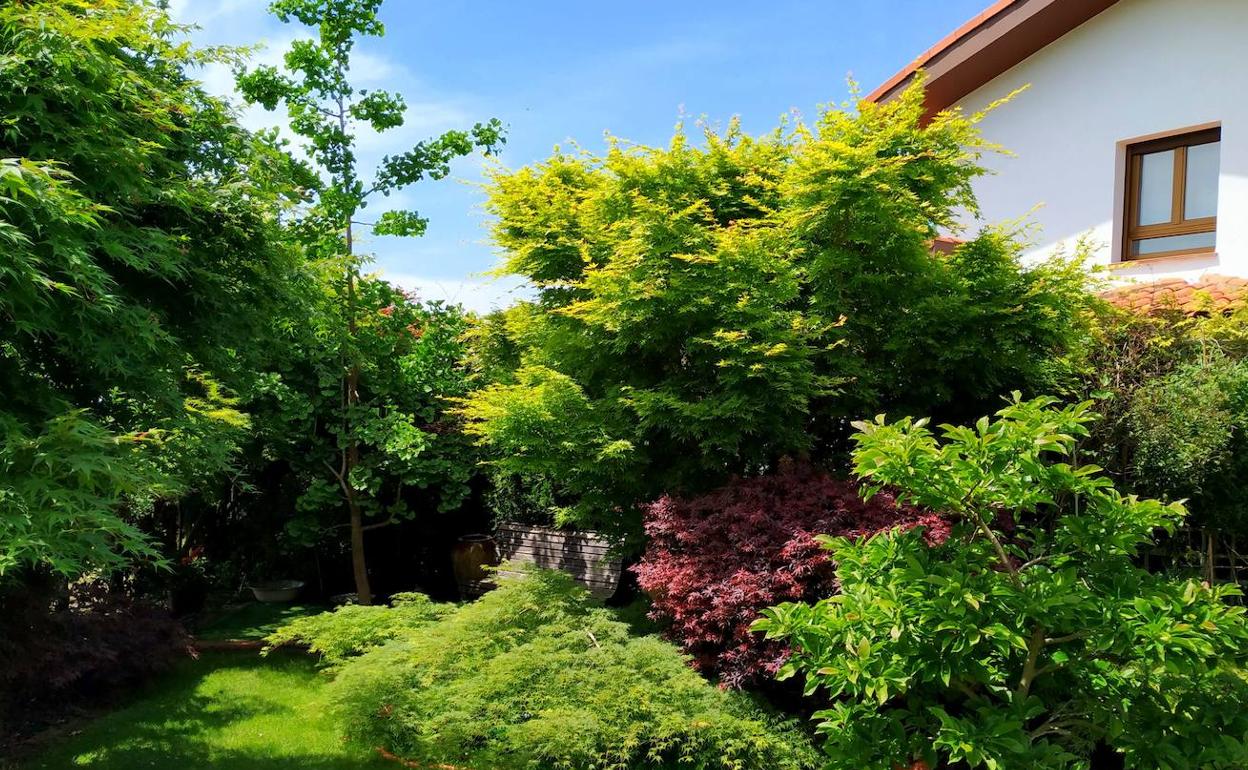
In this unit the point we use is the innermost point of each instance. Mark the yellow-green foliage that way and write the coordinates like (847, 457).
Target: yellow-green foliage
(354, 629)
(708, 306)
(535, 675)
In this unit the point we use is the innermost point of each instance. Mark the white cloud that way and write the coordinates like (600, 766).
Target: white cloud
(369, 70)
(202, 12)
(480, 295)
(431, 111)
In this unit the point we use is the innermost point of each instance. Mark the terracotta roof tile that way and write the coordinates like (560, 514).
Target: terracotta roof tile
(945, 244)
(1208, 294)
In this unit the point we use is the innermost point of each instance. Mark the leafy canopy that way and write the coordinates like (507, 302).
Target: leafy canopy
(369, 416)
(327, 111)
(707, 307)
(141, 264)
(411, 457)
(1031, 636)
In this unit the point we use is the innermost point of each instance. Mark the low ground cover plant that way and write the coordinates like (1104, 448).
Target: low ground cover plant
(353, 629)
(714, 562)
(1029, 638)
(535, 674)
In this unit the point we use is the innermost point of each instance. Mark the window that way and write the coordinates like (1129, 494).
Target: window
(1172, 195)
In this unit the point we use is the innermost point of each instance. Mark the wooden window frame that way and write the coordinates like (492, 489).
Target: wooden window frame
(1178, 224)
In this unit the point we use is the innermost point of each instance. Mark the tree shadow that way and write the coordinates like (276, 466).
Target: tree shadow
(197, 721)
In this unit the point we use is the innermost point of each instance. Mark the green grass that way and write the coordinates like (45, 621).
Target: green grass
(226, 711)
(254, 620)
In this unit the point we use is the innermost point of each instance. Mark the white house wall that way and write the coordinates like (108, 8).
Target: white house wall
(1141, 68)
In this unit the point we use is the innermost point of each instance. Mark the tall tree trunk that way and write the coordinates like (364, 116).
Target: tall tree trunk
(359, 565)
(351, 454)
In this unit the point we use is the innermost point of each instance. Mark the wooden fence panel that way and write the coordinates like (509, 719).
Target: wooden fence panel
(585, 556)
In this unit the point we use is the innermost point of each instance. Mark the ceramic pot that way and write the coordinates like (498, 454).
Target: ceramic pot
(277, 590)
(469, 558)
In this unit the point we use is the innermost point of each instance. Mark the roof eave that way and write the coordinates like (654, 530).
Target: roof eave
(1003, 35)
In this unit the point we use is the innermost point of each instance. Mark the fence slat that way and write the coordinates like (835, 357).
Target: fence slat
(583, 555)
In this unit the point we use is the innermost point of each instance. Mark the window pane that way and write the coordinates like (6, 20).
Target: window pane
(1202, 181)
(1194, 242)
(1156, 187)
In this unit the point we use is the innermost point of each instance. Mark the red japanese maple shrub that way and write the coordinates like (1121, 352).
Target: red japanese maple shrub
(714, 562)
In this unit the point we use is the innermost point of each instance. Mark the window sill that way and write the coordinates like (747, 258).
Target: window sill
(1125, 263)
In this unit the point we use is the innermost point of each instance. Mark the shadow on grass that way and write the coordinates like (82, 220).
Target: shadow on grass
(226, 711)
(254, 620)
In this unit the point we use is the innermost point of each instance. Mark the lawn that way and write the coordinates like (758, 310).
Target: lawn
(225, 711)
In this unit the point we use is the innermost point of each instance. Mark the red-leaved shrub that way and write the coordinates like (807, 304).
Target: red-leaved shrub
(714, 562)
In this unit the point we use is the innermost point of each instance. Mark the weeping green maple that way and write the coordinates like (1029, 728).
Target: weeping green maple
(140, 267)
(326, 110)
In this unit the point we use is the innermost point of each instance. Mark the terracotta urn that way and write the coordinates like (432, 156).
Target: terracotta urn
(469, 558)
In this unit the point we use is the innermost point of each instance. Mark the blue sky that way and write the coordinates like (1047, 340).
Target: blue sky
(555, 71)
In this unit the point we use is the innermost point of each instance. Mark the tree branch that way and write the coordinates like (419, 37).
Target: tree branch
(1059, 726)
(1034, 646)
(1066, 638)
(1038, 560)
(998, 547)
(340, 476)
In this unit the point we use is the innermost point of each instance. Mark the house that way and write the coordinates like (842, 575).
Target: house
(1133, 130)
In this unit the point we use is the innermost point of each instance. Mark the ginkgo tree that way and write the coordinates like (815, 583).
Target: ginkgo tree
(327, 112)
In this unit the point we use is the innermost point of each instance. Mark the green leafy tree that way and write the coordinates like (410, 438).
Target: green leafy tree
(708, 307)
(1031, 636)
(412, 457)
(142, 265)
(326, 110)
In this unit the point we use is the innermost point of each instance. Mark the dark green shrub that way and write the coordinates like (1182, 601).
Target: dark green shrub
(535, 675)
(1173, 390)
(527, 499)
(1188, 431)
